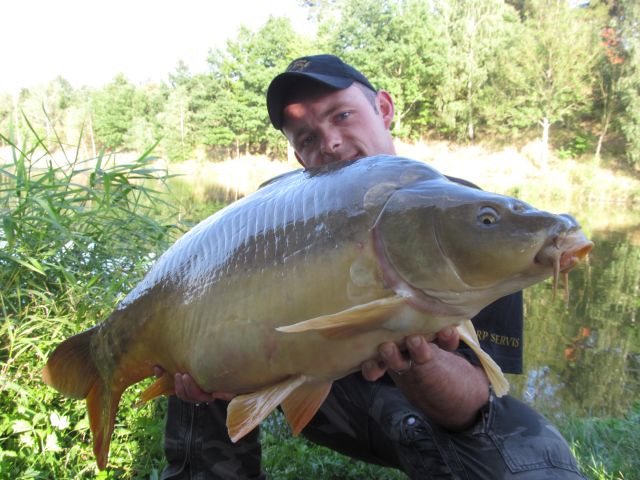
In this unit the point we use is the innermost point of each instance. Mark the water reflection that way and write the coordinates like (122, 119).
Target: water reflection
(585, 357)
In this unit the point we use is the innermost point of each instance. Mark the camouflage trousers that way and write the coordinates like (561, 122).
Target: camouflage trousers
(375, 423)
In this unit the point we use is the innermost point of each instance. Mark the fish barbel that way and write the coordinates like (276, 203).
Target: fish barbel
(286, 290)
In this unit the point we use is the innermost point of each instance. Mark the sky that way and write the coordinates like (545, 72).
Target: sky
(88, 42)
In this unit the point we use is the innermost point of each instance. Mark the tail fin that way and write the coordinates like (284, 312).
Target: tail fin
(102, 405)
(72, 371)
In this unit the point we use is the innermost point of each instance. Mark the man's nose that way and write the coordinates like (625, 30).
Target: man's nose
(331, 143)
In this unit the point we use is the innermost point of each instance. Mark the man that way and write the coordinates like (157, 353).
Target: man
(427, 410)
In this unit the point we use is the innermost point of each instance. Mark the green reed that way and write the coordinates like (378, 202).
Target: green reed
(75, 236)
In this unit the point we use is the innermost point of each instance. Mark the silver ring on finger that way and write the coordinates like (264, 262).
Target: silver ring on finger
(404, 370)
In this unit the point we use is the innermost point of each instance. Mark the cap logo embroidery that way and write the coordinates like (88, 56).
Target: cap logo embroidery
(299, 65)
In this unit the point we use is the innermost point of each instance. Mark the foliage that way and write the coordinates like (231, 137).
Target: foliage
(244, 71)
(75, 237)
(114, 109)
(591, 437)
(476, 35)
(177, 124)
(464, 71)
(629, 121)
(399, 46)
(75, 201)
(546, 76)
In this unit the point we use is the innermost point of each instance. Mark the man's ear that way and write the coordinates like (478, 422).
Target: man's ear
(299, 159)
(385, 103)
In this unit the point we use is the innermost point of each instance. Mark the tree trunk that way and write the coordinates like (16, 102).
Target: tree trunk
(470, 129)
(603, 133)
(181, 125)
(16, 119)
(544, 146)
(398, 123)
(93, 140)
(47, 123)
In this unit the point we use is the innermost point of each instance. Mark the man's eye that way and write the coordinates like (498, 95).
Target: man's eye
(306, 141)
(343, 115)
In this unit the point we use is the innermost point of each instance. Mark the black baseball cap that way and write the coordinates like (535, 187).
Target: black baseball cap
(328, 70)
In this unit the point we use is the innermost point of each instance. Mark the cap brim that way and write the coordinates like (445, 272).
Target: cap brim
(281, 86)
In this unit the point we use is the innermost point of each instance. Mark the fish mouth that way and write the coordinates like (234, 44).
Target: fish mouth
(571, 257)
(562, 253)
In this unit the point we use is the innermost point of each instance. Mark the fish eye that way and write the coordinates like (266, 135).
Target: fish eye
(488, 215)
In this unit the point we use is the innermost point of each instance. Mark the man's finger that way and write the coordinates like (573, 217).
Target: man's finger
(178, 387)
(373, 370)
(419, 349)
(188, 390)
(448, 339)
(393, 357)
(184, 387)
(193, 392)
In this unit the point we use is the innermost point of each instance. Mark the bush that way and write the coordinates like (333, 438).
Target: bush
(75, 236)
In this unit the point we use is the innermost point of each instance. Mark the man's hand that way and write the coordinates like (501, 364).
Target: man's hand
(188, 391)
(445, 386)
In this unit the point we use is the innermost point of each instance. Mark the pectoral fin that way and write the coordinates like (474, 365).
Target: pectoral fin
(162, 386)
(347, 323)
(245, 412)
(494, 372)
(303, 403)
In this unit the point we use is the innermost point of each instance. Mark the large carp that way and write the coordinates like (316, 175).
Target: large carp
(285, 291)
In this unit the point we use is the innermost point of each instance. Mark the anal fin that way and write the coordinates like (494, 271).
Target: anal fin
(498, 381)
(347, 323)
(245, 412)
(303, 403)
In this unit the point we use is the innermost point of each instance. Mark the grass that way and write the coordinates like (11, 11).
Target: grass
(75, 237)
(606, 447)
(517, 171)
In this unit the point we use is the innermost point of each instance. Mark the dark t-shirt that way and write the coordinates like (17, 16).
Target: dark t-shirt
(499, 328)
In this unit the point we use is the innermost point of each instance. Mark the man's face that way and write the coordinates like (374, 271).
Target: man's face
(326, 125)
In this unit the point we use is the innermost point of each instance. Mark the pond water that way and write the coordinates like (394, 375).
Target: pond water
(583, 356)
